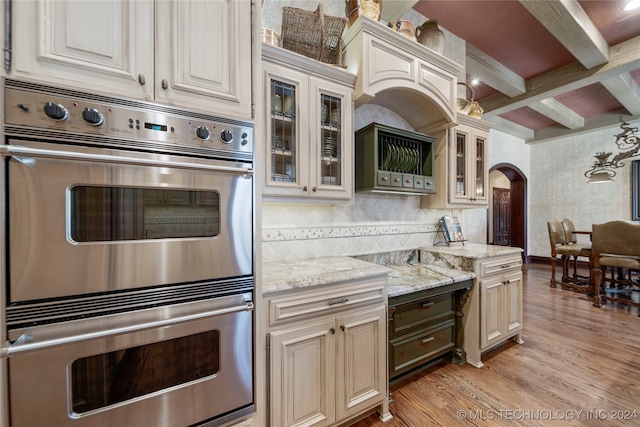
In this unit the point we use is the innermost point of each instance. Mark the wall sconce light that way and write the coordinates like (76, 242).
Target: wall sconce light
(600, 177)
(603, 169)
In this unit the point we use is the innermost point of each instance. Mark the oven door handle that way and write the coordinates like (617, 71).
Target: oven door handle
(25, 344)
(17, 150)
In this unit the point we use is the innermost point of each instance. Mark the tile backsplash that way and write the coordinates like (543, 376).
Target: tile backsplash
(372, 224)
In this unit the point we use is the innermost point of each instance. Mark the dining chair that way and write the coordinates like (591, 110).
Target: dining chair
(560, 247)
(616, 246)
(572, 238)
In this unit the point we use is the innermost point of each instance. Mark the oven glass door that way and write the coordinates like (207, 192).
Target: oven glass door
(111, 214)
(177, 374)
(106, 220)
(105, 379)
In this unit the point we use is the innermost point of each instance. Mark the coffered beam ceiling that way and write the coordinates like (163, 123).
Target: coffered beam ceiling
(568, 22)
(596, 62)
(623, 58)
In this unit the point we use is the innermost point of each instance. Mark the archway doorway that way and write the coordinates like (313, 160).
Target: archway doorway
(511, 209)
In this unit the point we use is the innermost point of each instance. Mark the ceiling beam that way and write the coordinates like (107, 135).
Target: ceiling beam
(558, 112)
(626, 91)
(570, 24)
(395, 9)
(623, 58)
(493, 73)
(511, 128)
(610, 119)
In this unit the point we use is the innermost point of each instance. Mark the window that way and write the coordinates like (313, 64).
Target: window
(635, 191)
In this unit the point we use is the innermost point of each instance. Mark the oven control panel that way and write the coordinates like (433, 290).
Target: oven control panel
(140, 123)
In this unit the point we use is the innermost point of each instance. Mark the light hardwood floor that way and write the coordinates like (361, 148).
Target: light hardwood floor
(579, 366)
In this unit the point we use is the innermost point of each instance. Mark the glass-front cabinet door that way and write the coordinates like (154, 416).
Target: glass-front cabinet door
(479, 158)
(308, 135)
(286, 132)
(331, 160)
(468, 165)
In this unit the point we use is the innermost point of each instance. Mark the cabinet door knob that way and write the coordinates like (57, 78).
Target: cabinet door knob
(342, 328)
(428, 340)
(304, 188)
(165, 84)
(396, 180)
(333, 330)
(314, 189)
(141, 79)
(384, 178)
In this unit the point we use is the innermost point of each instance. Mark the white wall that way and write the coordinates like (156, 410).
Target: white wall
(558, 188)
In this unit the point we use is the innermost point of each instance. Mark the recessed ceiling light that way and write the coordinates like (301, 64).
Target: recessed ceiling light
(633, 4)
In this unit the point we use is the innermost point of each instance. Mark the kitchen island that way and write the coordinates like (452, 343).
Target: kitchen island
(493, 312)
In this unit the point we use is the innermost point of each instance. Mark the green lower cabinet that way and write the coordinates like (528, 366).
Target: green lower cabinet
(415, 349)
(426, 325)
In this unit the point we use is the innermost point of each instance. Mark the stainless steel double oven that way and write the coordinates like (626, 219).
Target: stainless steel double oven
(129, 260)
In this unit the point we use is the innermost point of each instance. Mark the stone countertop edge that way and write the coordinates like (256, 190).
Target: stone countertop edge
(402, 279)
(287, 275)
(472, 250)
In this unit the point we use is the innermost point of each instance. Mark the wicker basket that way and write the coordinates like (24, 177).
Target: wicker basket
(313, 34)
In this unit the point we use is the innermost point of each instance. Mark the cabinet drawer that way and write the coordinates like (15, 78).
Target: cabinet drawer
(415, 349)
(420, 313)
(314, 303)
(502, 265)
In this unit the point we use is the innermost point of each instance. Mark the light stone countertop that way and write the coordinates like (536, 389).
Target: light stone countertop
(406, 278)
(439, 266)
(282, 276)
(459, 257)
(472, 250)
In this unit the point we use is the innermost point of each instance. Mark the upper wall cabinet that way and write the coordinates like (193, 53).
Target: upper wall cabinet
(191, 54)
(308, 125)
(402, 75)
(461, 164)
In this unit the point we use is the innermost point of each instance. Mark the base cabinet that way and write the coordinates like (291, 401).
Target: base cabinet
(303, 375)
(330, 368)
(494, 310)
(500, 308)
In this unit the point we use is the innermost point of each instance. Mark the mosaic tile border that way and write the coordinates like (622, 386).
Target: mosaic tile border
(333, 231)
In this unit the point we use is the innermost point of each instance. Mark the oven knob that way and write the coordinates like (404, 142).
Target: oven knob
(56, 111)
(202, 132)
(92, 116)
(226, 136)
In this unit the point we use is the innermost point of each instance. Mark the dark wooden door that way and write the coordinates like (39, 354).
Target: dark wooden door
(501, 216)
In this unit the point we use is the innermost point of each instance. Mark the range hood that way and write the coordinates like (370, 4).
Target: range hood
(402, 75)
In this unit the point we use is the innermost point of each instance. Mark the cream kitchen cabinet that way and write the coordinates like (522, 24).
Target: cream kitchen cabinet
(461, 164)
(493, 313)
(190, 54)
(308, 125)
(500, 308)
(327, 354)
